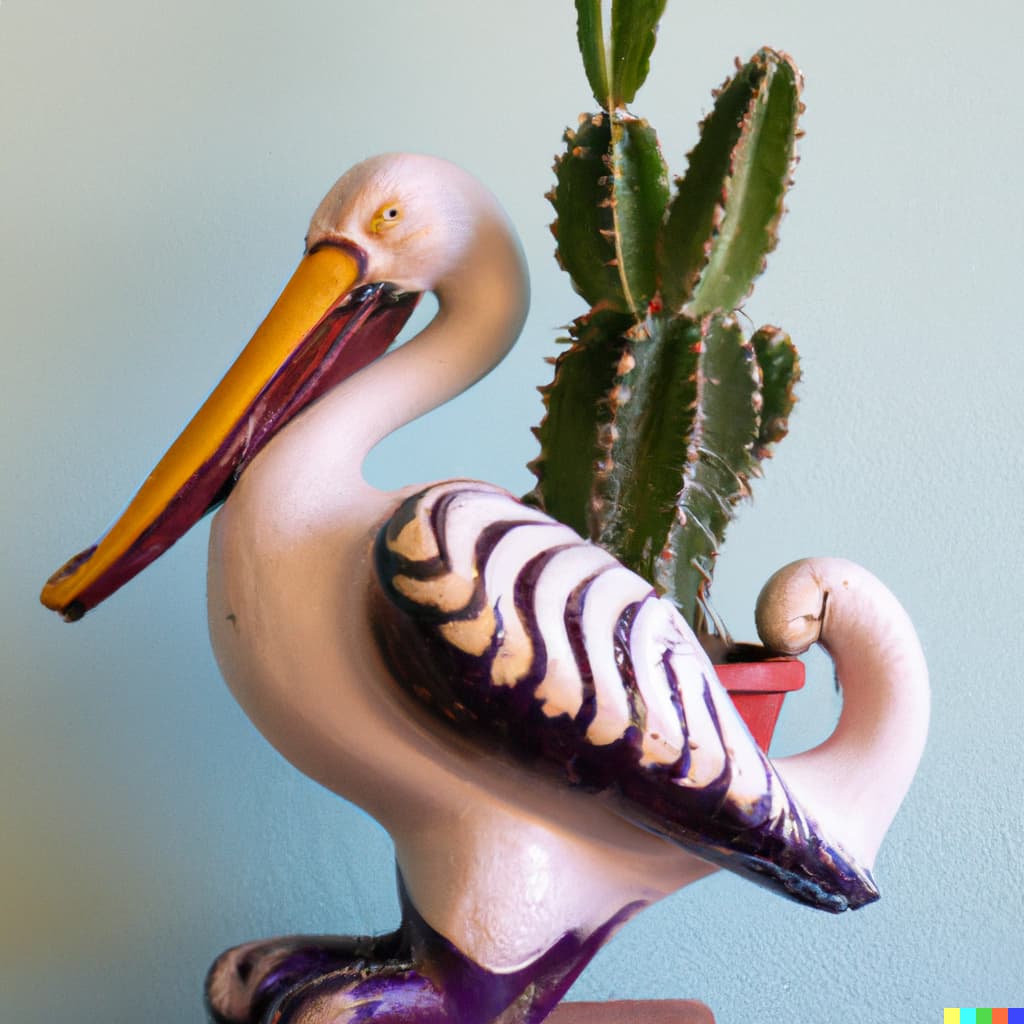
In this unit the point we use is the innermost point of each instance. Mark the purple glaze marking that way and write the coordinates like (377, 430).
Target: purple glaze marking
(624, 663)
(573, 621)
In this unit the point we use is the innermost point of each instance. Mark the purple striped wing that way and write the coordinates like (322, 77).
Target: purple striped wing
(515, 630)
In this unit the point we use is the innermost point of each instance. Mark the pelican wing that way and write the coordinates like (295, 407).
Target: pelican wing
(515, 630)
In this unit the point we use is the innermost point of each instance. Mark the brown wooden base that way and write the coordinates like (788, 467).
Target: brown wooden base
(634, 1011)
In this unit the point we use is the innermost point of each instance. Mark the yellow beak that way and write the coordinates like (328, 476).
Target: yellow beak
(319, 332)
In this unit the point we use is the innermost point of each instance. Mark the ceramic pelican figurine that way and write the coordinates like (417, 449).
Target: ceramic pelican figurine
(541, 734)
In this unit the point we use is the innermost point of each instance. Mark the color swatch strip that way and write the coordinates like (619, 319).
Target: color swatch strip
(982, 1015)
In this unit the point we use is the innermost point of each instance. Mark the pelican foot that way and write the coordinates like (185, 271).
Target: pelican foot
(248, 984)
(383, 995)
(410, 976)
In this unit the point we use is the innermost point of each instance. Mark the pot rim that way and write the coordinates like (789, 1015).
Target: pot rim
(751, 668)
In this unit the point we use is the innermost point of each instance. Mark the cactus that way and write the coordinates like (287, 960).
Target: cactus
(662, 410)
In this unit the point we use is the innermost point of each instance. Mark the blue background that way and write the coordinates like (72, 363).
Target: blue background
(159, 165)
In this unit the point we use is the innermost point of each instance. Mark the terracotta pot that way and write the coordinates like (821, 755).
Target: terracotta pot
(757, 685)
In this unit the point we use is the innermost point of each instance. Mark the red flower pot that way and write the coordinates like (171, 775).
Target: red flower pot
(757, 684)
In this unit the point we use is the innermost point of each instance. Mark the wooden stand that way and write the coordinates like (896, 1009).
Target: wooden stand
(634, 1011)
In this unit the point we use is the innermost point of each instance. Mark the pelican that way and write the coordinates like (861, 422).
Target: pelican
(540, 733)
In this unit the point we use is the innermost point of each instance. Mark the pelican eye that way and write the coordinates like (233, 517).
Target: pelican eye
(385, 217)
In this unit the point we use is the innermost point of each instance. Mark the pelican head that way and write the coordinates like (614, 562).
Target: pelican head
(409, 218)
(391, 228)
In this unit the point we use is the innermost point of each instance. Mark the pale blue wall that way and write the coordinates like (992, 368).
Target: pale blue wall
(159, 162)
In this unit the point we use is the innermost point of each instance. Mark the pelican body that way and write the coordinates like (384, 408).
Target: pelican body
(539, 732)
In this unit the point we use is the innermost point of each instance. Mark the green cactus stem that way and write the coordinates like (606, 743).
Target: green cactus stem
(724, 218)
(662, 411)
(780, 370)
(610, 196)
(617, 66)
(685, 418)
(578, 415)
